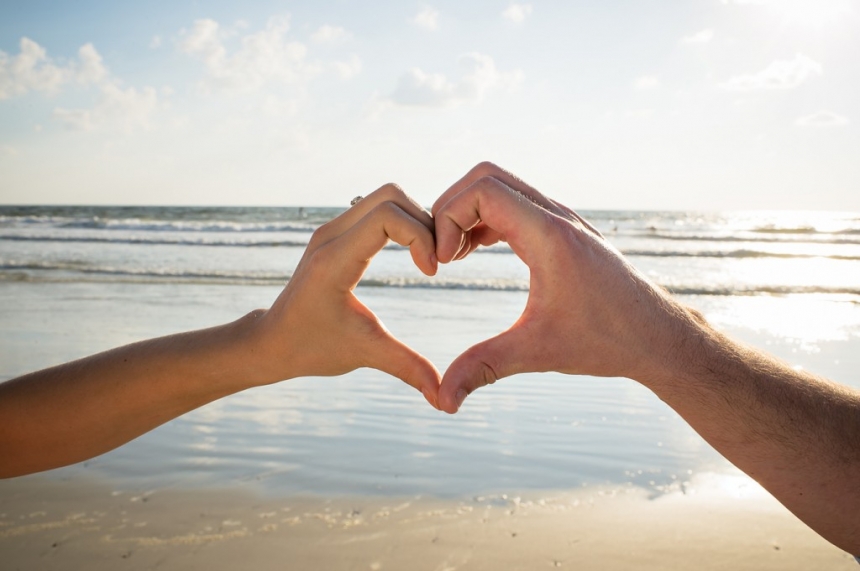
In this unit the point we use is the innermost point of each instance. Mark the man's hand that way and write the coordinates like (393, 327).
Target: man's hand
(589, 312)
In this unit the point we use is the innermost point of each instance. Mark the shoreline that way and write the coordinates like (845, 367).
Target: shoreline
(80, 523)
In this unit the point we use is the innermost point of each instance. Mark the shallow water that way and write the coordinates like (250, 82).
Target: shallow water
(367, 433)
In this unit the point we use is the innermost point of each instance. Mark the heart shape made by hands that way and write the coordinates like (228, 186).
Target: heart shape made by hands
(584, 313)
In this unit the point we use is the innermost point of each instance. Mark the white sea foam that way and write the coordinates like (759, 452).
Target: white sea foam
(708, 254)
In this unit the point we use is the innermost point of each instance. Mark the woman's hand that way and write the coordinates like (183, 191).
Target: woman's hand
(74, 411)
(317, 326)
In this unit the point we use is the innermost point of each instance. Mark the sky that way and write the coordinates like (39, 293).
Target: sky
(636, 104)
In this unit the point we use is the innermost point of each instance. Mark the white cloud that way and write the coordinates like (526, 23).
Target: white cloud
(91, 69)
(263, 57)
(423, 89)
(155, 42)
(427, 18)
(349, 68)
(702, 37)
(480, 76)
(120, 109)
(822, 119)
(517, 13)
(33, 70)
(646, 82)
(117, 108)
(203, 41)
(330, 34)
(30, 70)
(781, 74)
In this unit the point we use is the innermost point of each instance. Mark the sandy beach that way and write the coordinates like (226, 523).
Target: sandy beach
(47, 524)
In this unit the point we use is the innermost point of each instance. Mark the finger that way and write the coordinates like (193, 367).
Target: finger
(392, 356)
(512, 216)
(480, 235)
(465, 246)
(353, 250)
(488, 169)
(481, 170)
(386, 193)
(481, 365)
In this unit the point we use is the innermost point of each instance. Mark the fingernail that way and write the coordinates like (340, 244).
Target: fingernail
(460, 397)
(433, 260)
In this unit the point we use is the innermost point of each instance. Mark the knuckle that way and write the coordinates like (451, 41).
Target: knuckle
(485, 168)
(486, 185)
(485, 373)
(392, 191)
(385, 210)
(319, 236)
(560, 225)
(488, 375)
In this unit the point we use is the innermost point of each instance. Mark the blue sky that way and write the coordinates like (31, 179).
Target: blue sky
(707, 104)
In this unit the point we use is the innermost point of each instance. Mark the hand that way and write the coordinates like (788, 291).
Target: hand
(589, 312)
(317, 326)
(74, 411)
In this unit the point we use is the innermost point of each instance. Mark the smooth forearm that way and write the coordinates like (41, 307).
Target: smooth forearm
(316, 327)
(78, 410)
(796, 434)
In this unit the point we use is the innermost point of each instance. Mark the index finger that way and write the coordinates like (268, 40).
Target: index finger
(513, 216)
(352, 251)
(488, 169)
(386, 193)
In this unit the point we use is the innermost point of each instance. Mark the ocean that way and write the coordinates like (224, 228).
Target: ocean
(76, 280)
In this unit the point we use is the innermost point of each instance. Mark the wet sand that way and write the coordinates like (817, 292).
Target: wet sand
(49, 524)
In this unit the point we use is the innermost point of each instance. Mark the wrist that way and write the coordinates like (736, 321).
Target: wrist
(688, 343)
(244, 354)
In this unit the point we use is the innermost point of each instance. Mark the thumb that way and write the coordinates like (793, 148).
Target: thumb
(392, 356)
(482, 364)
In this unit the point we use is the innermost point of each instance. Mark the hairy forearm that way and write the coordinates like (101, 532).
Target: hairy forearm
(796, 434)
(77, 410)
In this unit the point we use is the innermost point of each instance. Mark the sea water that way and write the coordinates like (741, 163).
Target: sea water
(76, 280)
